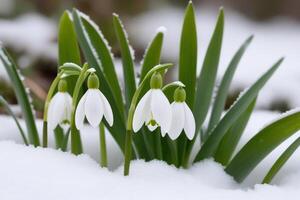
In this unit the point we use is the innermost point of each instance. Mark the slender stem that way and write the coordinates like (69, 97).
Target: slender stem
(65, 141)
(49, 96)
(173, 149)
(103, 152)
(184, 159)
(76, 145)
(45, 134)
(159, 153)
(127, 152)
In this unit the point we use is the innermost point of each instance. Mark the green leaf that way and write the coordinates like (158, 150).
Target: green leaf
(68, 50)
(22, 97)
(103, 50)
(232, 137)
(127, 60)
(92, 58)
(188, 54)
(59, 137)
(210, 146)
(206, 81)
(281, 161)
(11, 113)
(264, 142)
(220, 99)
(152, 54)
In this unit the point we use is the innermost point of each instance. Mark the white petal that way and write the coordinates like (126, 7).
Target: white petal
(177, 123)
(55, 110)
(93, 107)
(80, 114)
(189, 123)
(141, 112)
(67, 107)
(161, 109)
(108, 114)
(151, 128)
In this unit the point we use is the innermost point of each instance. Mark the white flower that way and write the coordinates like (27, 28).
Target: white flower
(153, 110)
(93, 105)
(182, 119)
(59, 110)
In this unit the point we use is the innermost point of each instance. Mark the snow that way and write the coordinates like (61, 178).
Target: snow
(37, 173)
(273, 39)
(31, 34)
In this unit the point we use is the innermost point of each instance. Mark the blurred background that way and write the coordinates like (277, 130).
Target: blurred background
(28, 28)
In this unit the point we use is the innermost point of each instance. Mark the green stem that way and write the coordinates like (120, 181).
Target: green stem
(64, 145)
(127, 155)
(159, 154)
(173, 149)
(103, 152)
(45, 134)
(76, 145)
(48, 99)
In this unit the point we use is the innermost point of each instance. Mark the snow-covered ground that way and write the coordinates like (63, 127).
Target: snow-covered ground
(37, 173)
(273, 39)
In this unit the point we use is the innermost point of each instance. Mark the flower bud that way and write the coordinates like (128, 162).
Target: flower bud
(62, 85)
(93, 81)
(156, 81)
(179, 95)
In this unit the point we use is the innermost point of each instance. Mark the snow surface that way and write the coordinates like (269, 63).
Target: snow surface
(37, 173)
(273, 39)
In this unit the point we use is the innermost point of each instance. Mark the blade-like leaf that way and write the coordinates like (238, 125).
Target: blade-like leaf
(102, 48)
(22, 97)
(232, 137)
(188, 54)
(11, 113)
(127, 59)
(265, 141)
(68, 50)
(210, 146)
(206, 81)
(91, 56)
(281, 161)
(152, 54)
(220, 99)
(187, 66)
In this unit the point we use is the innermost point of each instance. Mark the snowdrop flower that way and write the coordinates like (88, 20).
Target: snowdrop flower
(59, 110)
(182, 116)
(154, 108)
(93, 105)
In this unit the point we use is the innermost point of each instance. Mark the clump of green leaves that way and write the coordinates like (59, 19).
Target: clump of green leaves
(218, 139)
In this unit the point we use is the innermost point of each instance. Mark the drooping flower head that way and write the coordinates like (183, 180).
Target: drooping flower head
(154, 108)
(182, 116)
(93, 105)
(59, 110)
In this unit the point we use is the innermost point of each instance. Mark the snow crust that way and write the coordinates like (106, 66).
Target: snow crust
(273, 39)
(37, 173)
